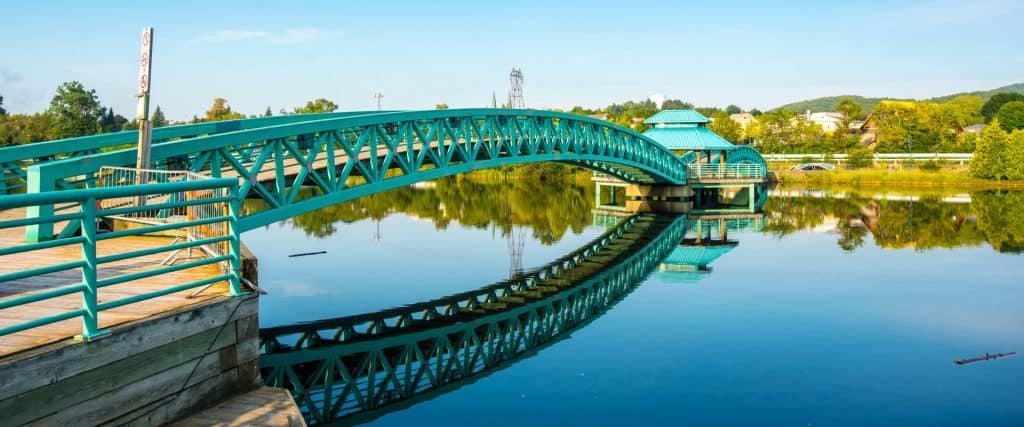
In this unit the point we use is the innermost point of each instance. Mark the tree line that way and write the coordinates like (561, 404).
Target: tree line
(76, 111)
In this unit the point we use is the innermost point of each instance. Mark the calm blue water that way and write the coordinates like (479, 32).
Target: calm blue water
(789, 328)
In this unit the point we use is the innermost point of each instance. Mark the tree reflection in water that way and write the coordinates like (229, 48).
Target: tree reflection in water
(992, 217)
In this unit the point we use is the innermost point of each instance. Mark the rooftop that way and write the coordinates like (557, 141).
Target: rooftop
(688, 138)
(698, 256)
(677, 117)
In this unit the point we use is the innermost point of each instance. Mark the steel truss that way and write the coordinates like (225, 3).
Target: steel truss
(375, 373)
(350, 157)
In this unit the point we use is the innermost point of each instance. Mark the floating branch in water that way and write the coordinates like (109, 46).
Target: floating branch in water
(307, 253)
(985, 356)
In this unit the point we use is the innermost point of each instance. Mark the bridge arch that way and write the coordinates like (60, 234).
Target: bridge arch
(349, 157)
(356, 368)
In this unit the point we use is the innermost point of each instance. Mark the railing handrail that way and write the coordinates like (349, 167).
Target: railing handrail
(78, 195)
(877, 156)
(741, 170)
(160, 134)
(89, 212)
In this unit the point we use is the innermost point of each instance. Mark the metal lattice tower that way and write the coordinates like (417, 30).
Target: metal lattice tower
(516, 242)
(515, 95)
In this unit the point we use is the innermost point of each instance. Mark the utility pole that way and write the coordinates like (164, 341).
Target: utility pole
(379, 97)
(142, 111)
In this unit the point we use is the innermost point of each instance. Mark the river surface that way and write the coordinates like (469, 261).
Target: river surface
(834, 308)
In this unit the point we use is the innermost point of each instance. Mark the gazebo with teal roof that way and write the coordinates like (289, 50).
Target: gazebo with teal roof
(686, 130)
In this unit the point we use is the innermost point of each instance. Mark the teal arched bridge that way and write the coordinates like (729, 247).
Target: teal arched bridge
(347, 156)
(355, 368)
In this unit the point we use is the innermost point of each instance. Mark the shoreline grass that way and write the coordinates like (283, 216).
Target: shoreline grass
(946, 178)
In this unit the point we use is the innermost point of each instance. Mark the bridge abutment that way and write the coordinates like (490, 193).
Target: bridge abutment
(150, 371)
(147, 372)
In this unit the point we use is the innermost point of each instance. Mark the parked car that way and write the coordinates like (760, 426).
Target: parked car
(807, 167)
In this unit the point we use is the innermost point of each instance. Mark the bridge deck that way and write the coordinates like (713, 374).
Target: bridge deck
(63, 330)
(266, 406)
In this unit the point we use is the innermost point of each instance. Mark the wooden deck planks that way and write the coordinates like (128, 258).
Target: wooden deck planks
(42, 335)
(265, 406)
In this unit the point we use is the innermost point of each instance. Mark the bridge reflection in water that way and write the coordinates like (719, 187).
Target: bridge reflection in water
(356, 368)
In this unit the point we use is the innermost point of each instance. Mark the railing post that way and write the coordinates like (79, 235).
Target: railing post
(38, 184)
(90, 318)
(235, 244)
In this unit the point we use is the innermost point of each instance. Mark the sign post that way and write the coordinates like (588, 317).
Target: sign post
(142, 111)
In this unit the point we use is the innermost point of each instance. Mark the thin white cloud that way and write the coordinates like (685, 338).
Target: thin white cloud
(302, 35)
(221, 36)
(288, 36)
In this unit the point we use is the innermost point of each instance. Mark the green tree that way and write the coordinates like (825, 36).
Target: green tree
(1013, 162)
(75, 111)
(268, 113)
(1011, 116)
(990, 153)
(319, 105)
(3, 112)
(158, 118)
(18, 129)
(726, 127)
(752, 132)
(860, 157)
(960, 111)
(221, 111)
(441, 107)
(675, 104)
(733, 109)
(708, 111)
(850, 109)
(777, 131)
(989, 110)
(755, 112)
(110, 122)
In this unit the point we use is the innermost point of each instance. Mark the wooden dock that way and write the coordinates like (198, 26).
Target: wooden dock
(67, 329)
(266, 406)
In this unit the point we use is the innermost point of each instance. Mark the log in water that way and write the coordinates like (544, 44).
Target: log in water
(985, 356)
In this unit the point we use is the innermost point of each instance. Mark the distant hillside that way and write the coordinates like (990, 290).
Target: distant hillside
(984, 94)
(828, 103)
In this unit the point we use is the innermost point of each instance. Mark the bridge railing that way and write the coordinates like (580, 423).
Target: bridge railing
(89, 210)
(877, 157)
(728, 171)
(14, 161)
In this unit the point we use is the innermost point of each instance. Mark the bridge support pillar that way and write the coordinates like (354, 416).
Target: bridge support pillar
(658, 192)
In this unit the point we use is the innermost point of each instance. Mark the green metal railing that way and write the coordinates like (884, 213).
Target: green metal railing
(728, 171)
(14, 161)
(350, 157)
(86, 201)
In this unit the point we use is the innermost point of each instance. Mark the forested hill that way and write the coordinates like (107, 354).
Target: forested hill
(828, 103)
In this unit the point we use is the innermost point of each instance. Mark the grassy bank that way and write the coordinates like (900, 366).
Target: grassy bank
(946, 178)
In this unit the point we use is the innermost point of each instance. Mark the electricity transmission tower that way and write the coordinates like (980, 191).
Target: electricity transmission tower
(516, 242)
(515, 95)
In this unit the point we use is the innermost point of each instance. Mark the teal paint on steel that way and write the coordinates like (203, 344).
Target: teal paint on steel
(692, 117)
(15, 160)
(355, 369)
(85, 200)
(391, 150)
(90, 320)
(689, 138)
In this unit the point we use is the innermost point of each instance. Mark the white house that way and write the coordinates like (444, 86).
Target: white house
(829, 121)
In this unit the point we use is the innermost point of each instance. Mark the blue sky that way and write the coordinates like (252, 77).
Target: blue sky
(281, 54)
